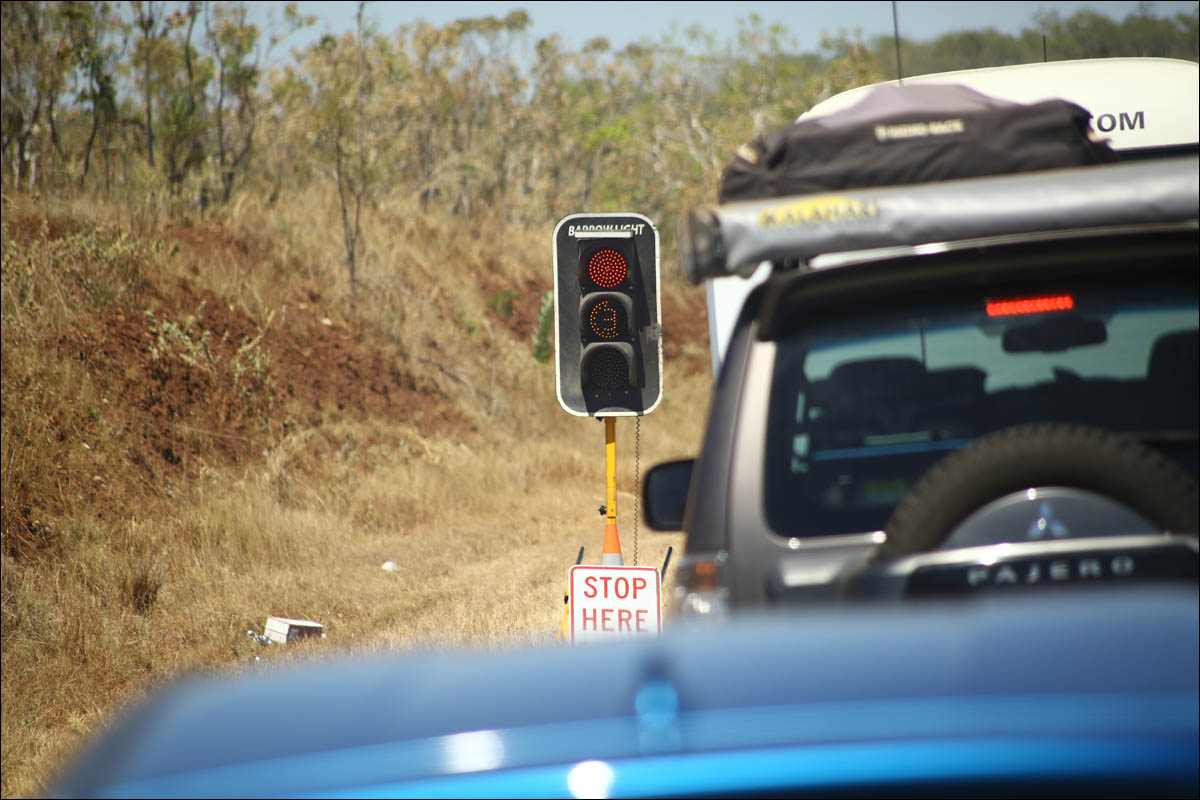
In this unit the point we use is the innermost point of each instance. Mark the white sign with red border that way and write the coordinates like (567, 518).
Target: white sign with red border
(614, 602)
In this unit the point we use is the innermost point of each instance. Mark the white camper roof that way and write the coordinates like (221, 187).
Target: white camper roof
(1137, 103)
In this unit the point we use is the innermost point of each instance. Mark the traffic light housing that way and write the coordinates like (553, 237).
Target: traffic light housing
(608, 334)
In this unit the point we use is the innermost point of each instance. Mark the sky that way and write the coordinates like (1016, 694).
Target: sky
(625, 22)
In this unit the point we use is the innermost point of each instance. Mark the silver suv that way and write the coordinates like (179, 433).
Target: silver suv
(967, 386)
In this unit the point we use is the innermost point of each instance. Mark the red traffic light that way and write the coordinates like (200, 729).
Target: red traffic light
(608, 341)
(607, 268)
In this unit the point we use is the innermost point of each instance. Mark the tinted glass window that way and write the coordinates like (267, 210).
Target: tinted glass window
(861, 407)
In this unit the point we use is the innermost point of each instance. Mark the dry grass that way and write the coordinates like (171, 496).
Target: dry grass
(140, 543)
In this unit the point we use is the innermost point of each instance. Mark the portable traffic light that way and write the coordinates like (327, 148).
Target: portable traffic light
(608, 337)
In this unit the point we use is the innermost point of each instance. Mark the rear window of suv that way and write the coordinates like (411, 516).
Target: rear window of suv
(861, 407)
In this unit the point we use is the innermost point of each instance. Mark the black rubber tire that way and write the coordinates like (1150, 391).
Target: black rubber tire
(1024, 456)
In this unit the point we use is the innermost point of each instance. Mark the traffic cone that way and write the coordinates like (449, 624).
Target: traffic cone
(611, 555)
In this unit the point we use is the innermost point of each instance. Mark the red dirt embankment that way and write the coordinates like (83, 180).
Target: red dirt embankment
(180, 378)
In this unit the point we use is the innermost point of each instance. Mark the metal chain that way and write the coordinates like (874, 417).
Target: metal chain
(637, 484)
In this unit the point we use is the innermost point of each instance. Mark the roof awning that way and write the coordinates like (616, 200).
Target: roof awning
(733, 239)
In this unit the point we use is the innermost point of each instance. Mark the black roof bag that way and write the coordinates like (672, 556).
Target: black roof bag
(899, 135)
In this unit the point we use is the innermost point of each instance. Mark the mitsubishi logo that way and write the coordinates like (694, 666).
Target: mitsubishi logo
(1046, 526)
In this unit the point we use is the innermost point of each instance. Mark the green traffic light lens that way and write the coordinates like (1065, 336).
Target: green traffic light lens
(607, 268)
(608, 370)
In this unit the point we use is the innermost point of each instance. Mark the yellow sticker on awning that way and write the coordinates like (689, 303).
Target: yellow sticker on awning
(818, 209)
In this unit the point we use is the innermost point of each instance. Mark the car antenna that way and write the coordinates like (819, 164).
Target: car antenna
(896, 39)
(1044, 59)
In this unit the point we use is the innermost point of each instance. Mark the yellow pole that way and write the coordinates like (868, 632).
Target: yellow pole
(611, 555)
(610, 466)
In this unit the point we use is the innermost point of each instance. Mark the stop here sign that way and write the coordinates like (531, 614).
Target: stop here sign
(614, 602)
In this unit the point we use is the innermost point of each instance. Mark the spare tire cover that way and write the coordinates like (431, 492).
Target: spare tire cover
(1114, 466)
